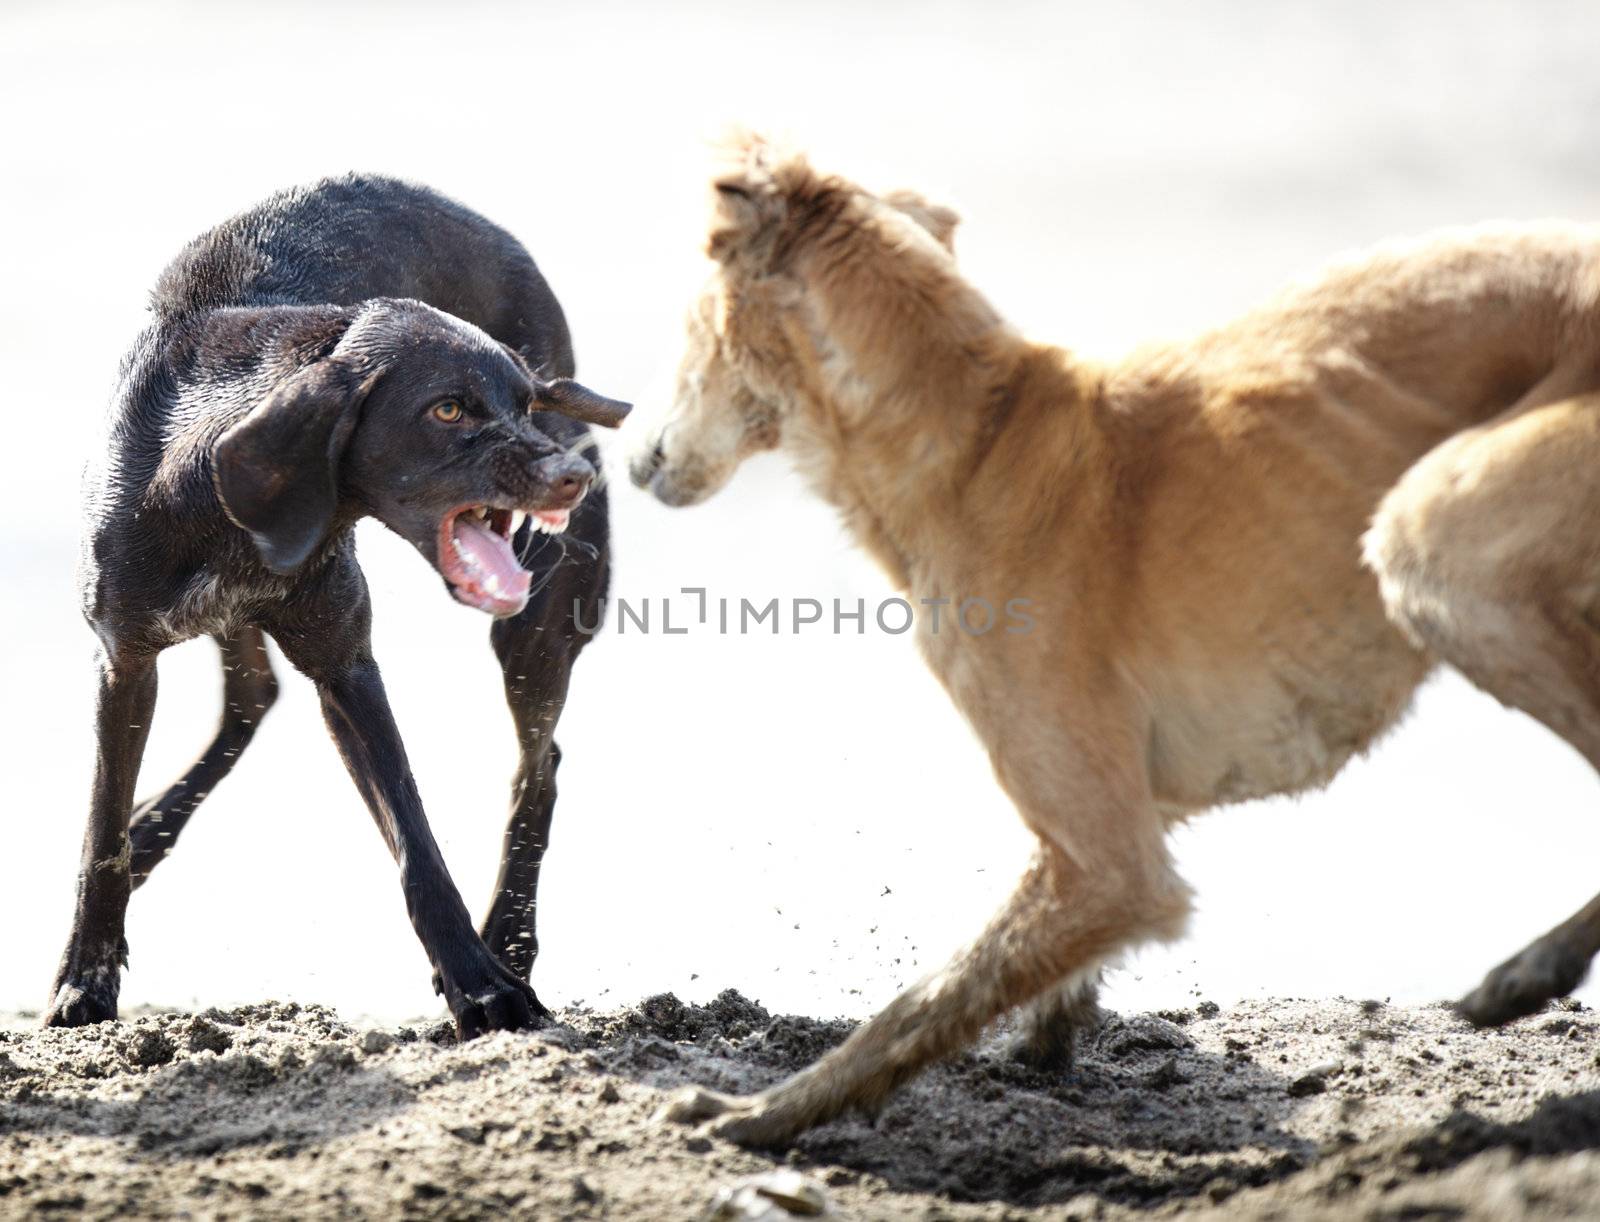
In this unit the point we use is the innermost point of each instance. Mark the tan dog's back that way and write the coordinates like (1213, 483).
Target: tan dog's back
(1258, 456)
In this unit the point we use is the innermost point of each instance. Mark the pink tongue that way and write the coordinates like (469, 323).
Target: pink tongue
(490, 560)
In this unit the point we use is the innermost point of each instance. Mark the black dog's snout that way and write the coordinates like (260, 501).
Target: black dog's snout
(566, 477)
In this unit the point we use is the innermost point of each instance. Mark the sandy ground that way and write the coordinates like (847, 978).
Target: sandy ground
(1284, 1109)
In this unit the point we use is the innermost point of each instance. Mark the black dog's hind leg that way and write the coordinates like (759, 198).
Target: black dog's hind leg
(90, 976)
(248, 691)
(481, 993)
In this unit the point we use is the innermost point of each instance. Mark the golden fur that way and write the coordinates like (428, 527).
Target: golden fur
(1244, 552)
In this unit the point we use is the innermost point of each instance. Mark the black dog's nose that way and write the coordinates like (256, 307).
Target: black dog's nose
(567, 477)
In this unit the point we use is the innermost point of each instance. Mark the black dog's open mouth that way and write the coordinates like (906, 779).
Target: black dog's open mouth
(477, 559)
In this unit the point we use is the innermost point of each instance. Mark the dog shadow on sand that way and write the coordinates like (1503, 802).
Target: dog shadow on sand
(1144, 1118)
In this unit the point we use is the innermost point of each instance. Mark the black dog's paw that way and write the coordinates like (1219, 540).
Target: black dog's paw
(80, 1001)
(1520, 986)
(495, 1000)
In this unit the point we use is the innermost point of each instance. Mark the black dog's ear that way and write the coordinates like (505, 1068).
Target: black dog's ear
(519, 360)
(277, 470)
(572, 399)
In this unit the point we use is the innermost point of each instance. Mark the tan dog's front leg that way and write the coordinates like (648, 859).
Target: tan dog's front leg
(1062, 920)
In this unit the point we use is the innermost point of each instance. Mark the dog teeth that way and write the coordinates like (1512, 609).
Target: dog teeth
(481, 513)
(518, 517)
(547, 526)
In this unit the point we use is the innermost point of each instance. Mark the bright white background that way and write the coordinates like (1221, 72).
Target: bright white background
(802, 817)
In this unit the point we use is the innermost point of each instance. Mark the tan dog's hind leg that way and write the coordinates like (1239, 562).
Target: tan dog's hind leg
(1551, 966)
(1488, 553)
(1060, 921)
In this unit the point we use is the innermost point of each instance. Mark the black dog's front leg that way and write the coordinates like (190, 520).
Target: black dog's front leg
(537, 650)
(510, 929)
(536, 688)
(536, 655)
(481, 993)
(90, 976)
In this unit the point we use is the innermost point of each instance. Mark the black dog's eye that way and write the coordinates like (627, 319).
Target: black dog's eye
(447, 412)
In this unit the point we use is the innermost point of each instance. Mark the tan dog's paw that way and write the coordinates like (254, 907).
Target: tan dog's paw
(693, 1104)
(744, 1120)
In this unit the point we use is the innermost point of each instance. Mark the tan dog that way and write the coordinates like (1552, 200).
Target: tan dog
(1198, 529)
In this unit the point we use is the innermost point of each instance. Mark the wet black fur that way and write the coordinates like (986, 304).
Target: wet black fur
(296, 335)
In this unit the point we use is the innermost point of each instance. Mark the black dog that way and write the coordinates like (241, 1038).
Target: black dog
(292, 382)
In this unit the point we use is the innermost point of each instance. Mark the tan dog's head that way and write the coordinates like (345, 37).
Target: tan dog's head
(754, 355)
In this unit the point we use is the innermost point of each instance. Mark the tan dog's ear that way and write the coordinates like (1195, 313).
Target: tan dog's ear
(745, 201)
(938, 220)
(752, 190)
